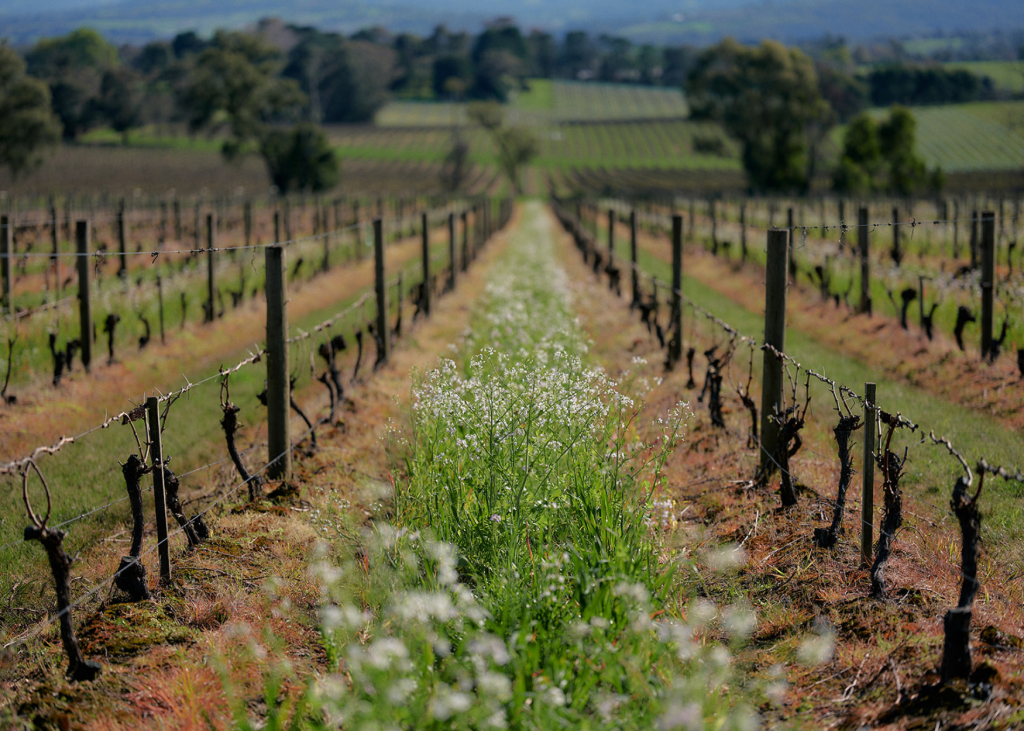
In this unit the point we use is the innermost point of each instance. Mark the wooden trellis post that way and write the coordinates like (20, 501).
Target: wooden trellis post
(775, 336)
(211, 290)
(7, 254)
(381, 286)
(868, 473)
(634, 274)
(425, 292)
(988, 263)
(278, 381)
(122, 239)
(84, 303)
(676, 342)
(865, 262)
(451, 249)
(157, 454)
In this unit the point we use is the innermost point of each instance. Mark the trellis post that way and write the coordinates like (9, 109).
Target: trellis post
(278, 382)
(156, 452)
(868, 472)
(425, 294)
(383, 330)
(84, 303)
(988, 259)
(774, 336)
(211, 293)
(634, 275)
(7, 252)
(865, 262)
(676, 342)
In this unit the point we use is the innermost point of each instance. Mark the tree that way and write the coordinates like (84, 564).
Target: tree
(578, 57)
(516, 145)
(767, 98)
(542, 54)
(354, 81)
(881, 157)
(861, 162)
(73, 67)
(456, 163)
(233, 85)
(300, 158)
(451, 67)
(897, 139)
(27, 124)
(120, 100)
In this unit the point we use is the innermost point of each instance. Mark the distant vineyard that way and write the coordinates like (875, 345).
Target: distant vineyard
(977, 136)
(1005, 75)
(548, 102)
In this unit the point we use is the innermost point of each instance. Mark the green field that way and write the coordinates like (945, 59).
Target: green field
(1006, 75)
(551, 102)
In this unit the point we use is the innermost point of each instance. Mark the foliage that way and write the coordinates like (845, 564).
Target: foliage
(516, 145)
(913, 85)
(233, 84)
(456, 164)
(300, 159)
(345, 80)
(768, 99)
(27, 126)
(120, 99)
(881, 156)
(73, 67)
(452, 75)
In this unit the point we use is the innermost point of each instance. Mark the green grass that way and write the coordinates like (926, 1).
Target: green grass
(1006, 75)
(518, 586)
(551, 102)
(539, 96)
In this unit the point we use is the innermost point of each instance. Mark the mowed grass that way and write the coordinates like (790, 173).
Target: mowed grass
(1006, 75)
(547, 101)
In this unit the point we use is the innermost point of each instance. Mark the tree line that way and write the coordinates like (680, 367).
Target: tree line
(267, 90)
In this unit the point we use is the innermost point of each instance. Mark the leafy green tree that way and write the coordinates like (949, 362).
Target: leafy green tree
(897, 139)
(449, 67)
(579, 57)
(881, 156)
(861, 161)
(767, 98)
(500, 58)
(234, 86)
(120, 100)
(516, 145)
(73, 67)
(27, 124)
(543, 54)
(354, 81)
(617, 60)
(300, 158)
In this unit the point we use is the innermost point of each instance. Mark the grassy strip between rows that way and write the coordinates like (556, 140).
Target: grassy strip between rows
(520, 584)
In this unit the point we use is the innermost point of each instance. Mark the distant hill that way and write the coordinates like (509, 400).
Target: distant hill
(660, 21)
